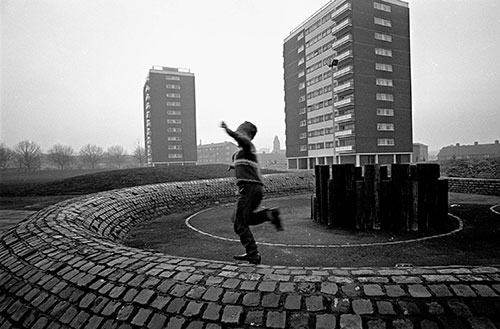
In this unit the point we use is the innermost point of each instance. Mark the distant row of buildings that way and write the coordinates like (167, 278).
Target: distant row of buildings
(475, 151)
(223, 153)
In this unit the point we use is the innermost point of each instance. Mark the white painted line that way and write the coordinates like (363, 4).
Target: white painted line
(459, 220)
(493, 209)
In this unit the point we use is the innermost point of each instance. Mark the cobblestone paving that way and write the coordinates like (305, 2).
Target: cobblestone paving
(64, 267)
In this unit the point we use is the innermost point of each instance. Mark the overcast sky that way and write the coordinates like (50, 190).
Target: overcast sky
(72, 71)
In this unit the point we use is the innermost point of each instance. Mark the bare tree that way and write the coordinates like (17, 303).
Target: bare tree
(61, 155)
(28, 155)
(140, 154)
(116, 155)
(6, 156)
(91, 154)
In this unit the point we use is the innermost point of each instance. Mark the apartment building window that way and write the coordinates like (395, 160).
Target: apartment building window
(300, 36)
(173, 86)
(302, 85)
(383, 52)
(316, 133)
(174, 121)
(385, 97)
(302, 135)
(315, 93)
(173, 103)
(383, 67)
(302, 98)
(383, 22)
(173, 112)
(175, 147)
(302, 123)
(302, 110)
(385, 112)
(301, 61)
(301, 49)
(382, 7)
(175, 156)
(383, 37)
(174, 130)
(174, 95)
(172, 77)
(303, 148)
(385, 142)
(384, 82)
(385, 126)
(317, 146)
(315, 80)
(174, 138)
(301, 74)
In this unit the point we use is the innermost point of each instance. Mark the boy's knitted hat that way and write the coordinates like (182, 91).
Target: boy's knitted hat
(248, 128)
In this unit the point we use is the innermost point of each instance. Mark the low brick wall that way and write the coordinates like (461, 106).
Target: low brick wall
(71, 250)
(474, 185)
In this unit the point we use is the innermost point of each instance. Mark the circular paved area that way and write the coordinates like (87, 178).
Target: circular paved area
(65, 267)
(208, 234)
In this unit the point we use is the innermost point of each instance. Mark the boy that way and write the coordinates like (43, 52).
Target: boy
(249, 184)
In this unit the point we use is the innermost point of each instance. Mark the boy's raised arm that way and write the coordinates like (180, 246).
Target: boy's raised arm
(241, 139)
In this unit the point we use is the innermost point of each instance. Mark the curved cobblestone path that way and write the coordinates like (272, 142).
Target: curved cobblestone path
(65, 267)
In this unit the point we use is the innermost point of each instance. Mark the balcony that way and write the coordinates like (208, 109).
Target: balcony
(342, 133)
(339, 27)
(341, 41)
(344, 87)
(344, 102)
(344, 55)
(348, 148)
(345, 117)
(341, 10)
(344, 71)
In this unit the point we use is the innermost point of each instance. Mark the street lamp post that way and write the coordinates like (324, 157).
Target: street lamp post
(333, 65)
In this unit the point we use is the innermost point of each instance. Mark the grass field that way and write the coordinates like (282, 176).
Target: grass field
(35, 190)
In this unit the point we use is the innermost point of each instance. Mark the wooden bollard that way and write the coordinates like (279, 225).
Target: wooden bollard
(350, 195)
(318, 192)
(324, 176)
(372, 196)
(427, 179)
(386, 204)
(401, 197)
(360, 215)
(337, 197)
(331, 204)
(414, 205)
(314, 208)
(439, 222)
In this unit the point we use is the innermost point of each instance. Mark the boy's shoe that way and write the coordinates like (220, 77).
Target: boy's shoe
(252, 259)
(276, 219)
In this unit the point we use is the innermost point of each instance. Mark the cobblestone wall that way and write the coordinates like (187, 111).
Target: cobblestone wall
(474, 186)
(64, 267)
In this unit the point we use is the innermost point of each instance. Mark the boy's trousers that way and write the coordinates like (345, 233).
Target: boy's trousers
(250, 196)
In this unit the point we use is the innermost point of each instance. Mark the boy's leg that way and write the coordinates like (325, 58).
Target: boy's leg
(265, 215)
(242, 217)
(261, 216)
